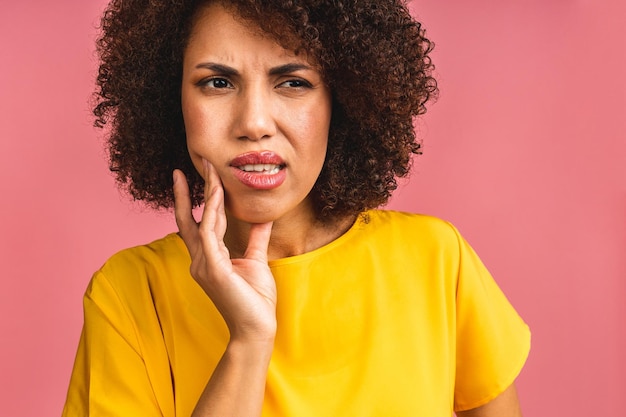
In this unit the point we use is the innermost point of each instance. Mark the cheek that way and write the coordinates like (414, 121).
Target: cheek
(197, 124)
(318, 125)
(196, 132)
(315, 121)
(196, 114)
(192, 117)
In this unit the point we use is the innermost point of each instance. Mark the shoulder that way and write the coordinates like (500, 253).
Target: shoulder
(169, 249)
(417, 238)
(419, 228)
(138, 267)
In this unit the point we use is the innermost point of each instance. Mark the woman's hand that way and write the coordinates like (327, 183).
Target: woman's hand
(243, 290)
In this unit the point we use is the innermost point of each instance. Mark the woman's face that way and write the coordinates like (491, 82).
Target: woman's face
(257, 112)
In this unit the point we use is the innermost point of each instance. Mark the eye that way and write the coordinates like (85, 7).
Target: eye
(215, 83)
(295, 83)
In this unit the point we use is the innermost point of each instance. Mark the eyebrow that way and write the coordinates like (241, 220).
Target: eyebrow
(279, 70)
(287, 68)
(219, 68)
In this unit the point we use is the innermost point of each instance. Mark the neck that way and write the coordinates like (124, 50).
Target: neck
(291, 236)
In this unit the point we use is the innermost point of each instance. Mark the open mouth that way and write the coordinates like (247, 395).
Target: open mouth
(264, 170)
(267, 169)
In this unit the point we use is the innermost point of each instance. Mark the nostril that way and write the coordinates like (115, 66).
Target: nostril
(254, 138)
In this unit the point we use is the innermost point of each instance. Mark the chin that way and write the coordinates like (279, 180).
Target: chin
(255, 218)
(268, 209)
(256, 215)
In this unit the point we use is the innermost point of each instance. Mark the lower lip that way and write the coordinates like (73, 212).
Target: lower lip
(259, 180)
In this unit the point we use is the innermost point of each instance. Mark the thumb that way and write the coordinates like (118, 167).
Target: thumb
(258, 241)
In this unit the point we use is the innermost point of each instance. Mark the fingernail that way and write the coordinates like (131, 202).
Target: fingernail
(206, 164)
(174, 176)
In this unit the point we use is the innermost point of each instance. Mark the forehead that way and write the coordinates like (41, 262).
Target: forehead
(218, 27)
(218, 18)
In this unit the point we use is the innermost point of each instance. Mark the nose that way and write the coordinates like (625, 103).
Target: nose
(255, 120)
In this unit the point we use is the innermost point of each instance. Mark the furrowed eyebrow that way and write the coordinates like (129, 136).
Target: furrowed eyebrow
(230, 71)
(287, 68)
(219, 68)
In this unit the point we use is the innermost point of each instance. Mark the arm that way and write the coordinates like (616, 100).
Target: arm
(110, 375)
(237, 385)
(243, 291)
(504, 405)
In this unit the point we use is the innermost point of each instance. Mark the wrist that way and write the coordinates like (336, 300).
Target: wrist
(261, 335)
(251, 350)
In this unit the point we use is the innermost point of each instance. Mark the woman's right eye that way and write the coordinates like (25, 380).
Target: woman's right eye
(216, 83)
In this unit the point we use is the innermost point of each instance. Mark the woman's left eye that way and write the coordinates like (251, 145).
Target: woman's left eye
(296, 83)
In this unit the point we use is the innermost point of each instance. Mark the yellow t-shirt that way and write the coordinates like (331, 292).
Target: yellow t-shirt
(397, 317)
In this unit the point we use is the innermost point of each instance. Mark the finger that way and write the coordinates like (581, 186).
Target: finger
(212, 196)
(216, 191)
(182, 209)
(220, 221)
(213, 224)
(258, 241)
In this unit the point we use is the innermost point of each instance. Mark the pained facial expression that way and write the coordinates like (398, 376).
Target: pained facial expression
(257, 112)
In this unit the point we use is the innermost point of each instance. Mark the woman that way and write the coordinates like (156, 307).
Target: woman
(292, 296)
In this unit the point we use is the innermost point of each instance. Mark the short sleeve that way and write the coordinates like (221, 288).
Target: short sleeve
(109, 376)
(493, 342)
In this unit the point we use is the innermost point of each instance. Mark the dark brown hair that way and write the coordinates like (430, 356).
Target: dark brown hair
(372, 53)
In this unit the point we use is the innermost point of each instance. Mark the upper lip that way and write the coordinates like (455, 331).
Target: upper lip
(253, 158)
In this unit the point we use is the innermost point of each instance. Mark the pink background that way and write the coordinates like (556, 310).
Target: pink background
(525, 153)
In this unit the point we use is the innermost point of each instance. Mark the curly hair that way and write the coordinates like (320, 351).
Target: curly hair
(373, 55)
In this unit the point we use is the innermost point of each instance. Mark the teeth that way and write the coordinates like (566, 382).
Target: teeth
(264, 168)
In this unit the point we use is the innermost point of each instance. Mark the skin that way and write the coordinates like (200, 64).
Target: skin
(246, 93)
(242, 92)
(237, 97)
(504, 405)
(244, 292)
